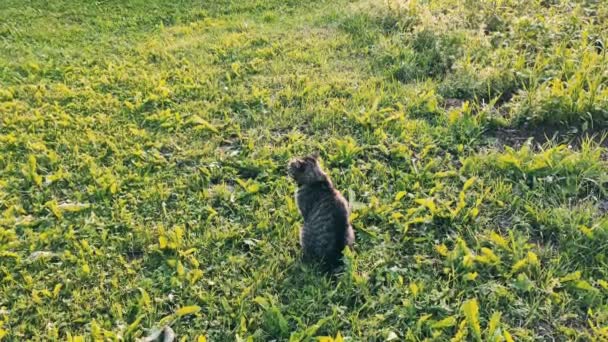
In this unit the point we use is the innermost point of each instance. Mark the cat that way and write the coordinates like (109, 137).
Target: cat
(326, 230)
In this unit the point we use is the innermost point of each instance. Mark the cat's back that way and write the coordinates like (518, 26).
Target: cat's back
(325, 220)
(310, 197)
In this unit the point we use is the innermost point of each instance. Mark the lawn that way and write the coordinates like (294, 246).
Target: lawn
(143, 153)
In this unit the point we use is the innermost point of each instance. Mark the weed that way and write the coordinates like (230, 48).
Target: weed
(143, 188)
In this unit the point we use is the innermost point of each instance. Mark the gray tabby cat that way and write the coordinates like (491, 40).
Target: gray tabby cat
(326, 229)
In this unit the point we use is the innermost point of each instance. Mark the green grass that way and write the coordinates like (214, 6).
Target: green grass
(143, 151)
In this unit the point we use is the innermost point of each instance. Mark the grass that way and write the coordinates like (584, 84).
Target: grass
(143, 148)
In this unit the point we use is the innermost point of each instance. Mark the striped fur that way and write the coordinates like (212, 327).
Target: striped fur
(326, 230)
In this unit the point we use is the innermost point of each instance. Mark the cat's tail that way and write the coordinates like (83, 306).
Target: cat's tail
(349, 238)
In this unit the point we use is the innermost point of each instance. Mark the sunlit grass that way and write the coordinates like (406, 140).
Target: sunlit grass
(143, 151)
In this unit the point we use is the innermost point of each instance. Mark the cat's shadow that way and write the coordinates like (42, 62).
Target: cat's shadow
(310, 281)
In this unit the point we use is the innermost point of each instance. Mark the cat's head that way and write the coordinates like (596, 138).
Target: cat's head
(306, 170)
